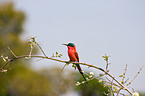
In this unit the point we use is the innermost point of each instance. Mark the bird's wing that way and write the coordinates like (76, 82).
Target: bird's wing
(77, 56)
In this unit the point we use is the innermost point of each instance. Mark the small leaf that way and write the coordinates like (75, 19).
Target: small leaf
(122, 82)
(107, 70)
(120, 75)
(53, 55)
(74, 66)
(60, 54)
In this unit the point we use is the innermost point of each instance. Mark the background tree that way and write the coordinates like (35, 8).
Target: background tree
(21, 80)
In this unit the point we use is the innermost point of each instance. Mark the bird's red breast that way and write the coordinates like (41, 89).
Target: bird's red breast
(73, 55)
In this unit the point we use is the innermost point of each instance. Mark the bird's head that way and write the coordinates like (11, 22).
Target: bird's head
(69, 44)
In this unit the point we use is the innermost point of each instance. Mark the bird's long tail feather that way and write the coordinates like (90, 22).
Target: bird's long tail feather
(80, 70)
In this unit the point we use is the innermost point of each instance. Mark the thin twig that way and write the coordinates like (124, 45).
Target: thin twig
(124, 73)
(135, 75)
(126, 80)
(10, 65)
(41, 49)
(112, 83)
(39, 60)
(107, 65)
(122, 94)
(12, 52)
(64, 67)
(31, 51)
(119, 91)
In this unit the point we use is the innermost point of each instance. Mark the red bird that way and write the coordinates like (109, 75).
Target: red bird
(73, 56)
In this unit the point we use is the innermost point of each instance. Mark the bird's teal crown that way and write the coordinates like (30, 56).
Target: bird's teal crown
(70, 44)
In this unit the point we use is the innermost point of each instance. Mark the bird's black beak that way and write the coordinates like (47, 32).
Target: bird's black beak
(64, 44)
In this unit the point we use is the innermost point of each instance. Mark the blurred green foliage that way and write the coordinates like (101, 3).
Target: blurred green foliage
(142, 94)
(11, 20)
(21, 81)
(11, 26)
(92, 88)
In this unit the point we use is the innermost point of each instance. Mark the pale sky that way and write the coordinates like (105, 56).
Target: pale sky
(114, 27)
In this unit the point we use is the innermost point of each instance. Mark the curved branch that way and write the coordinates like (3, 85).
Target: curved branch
(90, 65)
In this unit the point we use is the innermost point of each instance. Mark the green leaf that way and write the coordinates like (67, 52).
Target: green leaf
(120, 75)
(74, 66)
(101, 75)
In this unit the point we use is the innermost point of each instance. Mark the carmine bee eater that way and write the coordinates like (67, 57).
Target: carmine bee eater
(73, 56)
